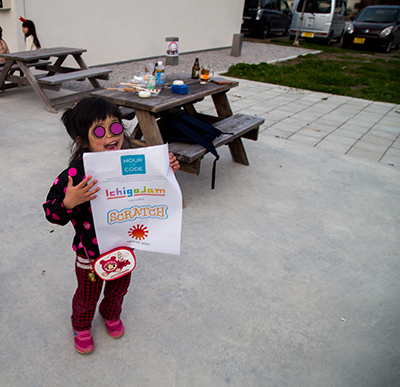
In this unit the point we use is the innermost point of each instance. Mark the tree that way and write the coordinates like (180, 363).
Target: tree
(296, 40)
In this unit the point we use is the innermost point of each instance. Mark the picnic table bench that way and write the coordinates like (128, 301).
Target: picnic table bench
(36, 64)
(233, 127)
(79, 75)
(54, 74)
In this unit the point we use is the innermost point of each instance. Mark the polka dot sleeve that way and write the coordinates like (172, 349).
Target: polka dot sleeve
(85, 240)
(55, 211)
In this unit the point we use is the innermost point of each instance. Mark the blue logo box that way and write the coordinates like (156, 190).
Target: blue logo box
(133, 165)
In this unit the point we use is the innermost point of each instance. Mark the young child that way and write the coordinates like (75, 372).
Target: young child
(3, 48)
(31, 39)
(95, 125)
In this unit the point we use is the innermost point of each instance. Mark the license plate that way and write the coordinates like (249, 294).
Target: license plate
(359, 40)
(307, 34)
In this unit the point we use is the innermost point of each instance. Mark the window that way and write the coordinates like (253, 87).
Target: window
(378, 15)
(284, 6)
(266, 4)
(339, 9)
(252, 3)
(315, 6)
(275, 5)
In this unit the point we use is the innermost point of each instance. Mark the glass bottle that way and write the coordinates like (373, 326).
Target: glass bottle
(196, 69)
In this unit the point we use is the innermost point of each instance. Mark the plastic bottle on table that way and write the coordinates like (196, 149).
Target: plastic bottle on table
(159, 76)
(151, 82)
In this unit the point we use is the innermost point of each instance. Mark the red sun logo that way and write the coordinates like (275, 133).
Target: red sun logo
(138, 232)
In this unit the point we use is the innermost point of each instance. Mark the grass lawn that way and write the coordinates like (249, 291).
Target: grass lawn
(352, 73)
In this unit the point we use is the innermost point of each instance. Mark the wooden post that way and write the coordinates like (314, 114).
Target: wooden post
(36, 86)
(149, 127)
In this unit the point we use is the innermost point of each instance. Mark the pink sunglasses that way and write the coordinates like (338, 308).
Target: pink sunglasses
(116, 129)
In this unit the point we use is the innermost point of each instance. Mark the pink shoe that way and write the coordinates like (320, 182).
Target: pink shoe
(115, 328)
(83, 341)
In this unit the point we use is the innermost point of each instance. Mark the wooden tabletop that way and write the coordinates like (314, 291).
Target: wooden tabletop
(26, 56)
(165, 99)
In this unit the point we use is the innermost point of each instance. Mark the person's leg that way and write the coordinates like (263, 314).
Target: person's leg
(114, 292)
(111, 305)
(86, 296)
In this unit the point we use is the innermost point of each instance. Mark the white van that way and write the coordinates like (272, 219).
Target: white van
(323, 19)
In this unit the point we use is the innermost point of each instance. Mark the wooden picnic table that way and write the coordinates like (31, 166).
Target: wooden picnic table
(151, 113)
(51, 75)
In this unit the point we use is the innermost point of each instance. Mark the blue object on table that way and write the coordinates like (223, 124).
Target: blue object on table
(180, 89)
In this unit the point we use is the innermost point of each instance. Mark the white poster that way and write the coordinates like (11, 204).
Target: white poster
(172, 48)
(139, 204)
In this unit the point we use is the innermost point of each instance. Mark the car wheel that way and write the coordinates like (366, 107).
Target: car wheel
(265, 31)
(388, 47)
(339, 39)
(286, 32)
(329, 39)
(345, 43)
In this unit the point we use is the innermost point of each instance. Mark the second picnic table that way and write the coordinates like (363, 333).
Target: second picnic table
(52, 75)
(151, 114)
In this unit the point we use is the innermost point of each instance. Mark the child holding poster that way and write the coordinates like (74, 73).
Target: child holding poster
(95, 125)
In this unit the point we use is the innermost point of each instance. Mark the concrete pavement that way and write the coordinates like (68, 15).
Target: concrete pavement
(356, 127)
(289, 270)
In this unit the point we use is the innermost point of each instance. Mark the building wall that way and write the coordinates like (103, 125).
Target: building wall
(123, 30)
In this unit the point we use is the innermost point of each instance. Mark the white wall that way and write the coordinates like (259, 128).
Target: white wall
(120, 30)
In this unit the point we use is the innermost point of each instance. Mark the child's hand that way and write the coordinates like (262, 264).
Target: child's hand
(79, 194)
(173, 162)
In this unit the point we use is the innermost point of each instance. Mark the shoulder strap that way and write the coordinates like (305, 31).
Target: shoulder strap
(179, 122)
(196, 137)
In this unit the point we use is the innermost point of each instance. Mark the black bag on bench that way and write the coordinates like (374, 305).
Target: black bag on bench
(181, 127)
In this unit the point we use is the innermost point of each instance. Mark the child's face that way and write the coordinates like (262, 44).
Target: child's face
(25, 30)
(110, 266)
(109, 141)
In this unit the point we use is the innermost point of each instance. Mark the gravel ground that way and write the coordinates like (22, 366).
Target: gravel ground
(219, 60)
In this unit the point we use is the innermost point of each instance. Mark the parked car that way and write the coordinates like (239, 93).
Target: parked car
(376, 26)
(264, 18)
(322, 20)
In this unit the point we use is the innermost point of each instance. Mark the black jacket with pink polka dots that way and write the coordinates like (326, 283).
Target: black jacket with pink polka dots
(85, 241)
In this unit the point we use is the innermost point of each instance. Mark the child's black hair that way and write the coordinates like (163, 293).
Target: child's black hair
(80, 118)
(32, 31)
